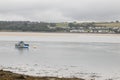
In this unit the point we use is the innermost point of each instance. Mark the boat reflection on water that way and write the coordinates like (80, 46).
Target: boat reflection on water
(22, 50)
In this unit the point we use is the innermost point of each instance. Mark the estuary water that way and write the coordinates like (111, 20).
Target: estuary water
(89, 57)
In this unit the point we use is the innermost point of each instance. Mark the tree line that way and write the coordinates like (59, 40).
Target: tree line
(24, 26)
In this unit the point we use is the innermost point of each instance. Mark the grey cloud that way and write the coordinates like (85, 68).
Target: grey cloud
(59, 10)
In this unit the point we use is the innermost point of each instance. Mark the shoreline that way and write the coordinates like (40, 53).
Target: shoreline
(8, 75)
(52, 34)
(59, 37)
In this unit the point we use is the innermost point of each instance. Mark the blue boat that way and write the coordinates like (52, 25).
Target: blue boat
(21, 44)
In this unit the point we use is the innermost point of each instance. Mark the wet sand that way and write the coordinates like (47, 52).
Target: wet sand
(58, 37)
(51, 34)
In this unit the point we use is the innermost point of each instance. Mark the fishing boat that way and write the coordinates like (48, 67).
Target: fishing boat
(21, 44)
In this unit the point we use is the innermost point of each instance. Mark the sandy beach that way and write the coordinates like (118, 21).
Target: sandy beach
(58, 37)
(51, 34)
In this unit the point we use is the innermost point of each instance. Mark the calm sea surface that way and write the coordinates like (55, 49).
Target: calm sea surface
(98, 57)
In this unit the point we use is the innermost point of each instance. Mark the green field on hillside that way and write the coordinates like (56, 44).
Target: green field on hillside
(61, 24)
(108, 24)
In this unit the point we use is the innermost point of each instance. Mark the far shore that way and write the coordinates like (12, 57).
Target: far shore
(51, 34)
(59, 37)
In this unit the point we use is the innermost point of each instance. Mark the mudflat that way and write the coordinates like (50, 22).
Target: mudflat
(7, 75)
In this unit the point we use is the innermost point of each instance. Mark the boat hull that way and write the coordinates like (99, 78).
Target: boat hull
(22, 46)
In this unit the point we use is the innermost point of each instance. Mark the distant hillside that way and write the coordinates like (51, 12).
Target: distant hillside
(91, 27)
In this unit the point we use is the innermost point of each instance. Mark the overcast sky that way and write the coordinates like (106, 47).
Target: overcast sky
(60, 10)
